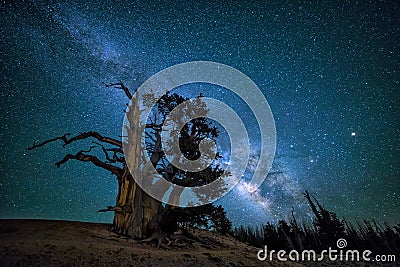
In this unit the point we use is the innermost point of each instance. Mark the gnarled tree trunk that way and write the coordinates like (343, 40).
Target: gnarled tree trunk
(139, 211)
(136, 211)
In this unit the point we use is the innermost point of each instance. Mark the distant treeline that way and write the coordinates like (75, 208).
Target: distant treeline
(322, 232)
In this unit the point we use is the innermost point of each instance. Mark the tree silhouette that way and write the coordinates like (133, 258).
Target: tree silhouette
(137, 214)
(204, 217)
(328, 225)
(323, 232)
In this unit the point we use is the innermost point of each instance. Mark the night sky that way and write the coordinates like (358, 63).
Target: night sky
(329, 71)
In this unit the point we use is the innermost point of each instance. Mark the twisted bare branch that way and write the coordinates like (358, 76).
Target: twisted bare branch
(121, 86)
(81, 136)
(115, 158)
(63, 138)
(90, 158)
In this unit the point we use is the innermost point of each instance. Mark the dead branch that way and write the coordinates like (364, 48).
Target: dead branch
(81, 136)
(114, 158)
(90, 158)
(313, 207)
(63, 138)
(111, 208)
(121, 86)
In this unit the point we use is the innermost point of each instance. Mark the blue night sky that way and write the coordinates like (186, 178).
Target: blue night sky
(330, 72)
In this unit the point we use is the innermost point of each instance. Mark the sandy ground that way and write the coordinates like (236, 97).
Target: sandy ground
(66, 243)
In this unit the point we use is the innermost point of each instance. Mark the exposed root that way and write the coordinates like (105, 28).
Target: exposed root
(177, 239)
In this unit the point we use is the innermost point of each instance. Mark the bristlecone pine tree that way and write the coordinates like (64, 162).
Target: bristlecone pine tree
(136, 214)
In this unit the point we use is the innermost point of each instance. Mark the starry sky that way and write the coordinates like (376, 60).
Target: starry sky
(330, 72)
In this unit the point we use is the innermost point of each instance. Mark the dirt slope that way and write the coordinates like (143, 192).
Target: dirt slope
(66, 243)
